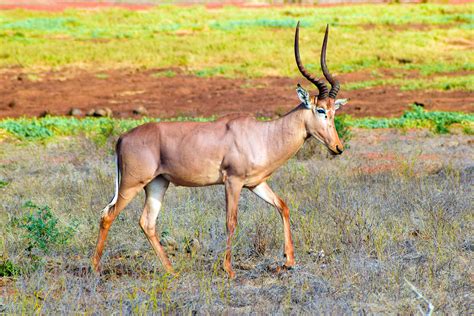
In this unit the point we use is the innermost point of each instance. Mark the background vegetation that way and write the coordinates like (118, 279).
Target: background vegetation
(39, 129)
(431, 39)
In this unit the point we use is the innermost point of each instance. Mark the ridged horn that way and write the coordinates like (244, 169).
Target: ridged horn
(323, 89)
(334, 83)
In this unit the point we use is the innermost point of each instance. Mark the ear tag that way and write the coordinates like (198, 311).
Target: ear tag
(303, 95)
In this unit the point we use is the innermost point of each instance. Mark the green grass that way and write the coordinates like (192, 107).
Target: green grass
(238, 42)
(166, 73)
(417, 117)
(38, 129)
(443, 83)
(46, 127)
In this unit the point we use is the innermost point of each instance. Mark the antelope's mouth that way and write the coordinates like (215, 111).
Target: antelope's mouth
(336, 151)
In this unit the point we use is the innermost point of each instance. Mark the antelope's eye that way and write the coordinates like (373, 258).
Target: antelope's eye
(321, 111)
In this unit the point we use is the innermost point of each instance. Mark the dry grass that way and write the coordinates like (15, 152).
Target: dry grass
(395, 206)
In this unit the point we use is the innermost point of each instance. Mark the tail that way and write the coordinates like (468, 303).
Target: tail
(106, 210)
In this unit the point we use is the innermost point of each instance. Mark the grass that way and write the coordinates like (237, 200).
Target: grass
(443, 83)
(394, 206)
(165, 73)
(419, 118)
(39, 129)
(237, 42)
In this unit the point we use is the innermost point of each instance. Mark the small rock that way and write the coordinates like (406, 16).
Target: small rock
(100, 112)
(90, 112)
(103, 112)
(108, 111)
(141, 110)
(75, 112)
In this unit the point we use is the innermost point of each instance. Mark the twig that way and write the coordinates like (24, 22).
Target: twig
(420, 296)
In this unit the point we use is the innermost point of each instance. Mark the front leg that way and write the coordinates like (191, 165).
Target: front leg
(232, 194)
(266, 193)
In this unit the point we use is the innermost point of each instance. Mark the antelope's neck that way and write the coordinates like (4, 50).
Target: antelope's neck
(286, 136)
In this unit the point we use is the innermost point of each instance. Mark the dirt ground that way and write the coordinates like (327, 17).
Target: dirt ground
(56, 93)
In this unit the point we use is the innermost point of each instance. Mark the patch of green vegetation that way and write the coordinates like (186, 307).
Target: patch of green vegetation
(239, 42)
(357, 85)
(43, 128)
(45, 24)
(434, 68)
(417, 117)
(166, 73)
(102, 76)
(42, 229)
(210, 72)
(3, 183)
(342, 127)
(38, 129)
(26, 129)
(443, 83)
(8, 269)
(262, 22)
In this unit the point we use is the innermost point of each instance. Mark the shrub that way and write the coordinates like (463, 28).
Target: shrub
(42, 229)
(342, 127)
(8, 269)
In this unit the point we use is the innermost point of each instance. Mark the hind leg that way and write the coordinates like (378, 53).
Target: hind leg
(155, 191)
(108, 216)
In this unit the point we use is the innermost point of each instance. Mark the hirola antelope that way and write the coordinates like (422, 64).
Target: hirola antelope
(236, 151)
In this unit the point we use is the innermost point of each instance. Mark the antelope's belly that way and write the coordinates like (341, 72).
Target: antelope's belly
(194, 177)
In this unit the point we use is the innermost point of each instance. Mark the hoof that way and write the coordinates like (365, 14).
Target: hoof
(95, 267)
(279, 268)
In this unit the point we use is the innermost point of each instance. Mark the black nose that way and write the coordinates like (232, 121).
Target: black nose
(339, 151)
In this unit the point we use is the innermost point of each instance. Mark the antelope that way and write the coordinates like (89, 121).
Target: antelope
(236, 151)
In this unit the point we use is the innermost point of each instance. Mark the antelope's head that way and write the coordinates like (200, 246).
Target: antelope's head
(321, 112)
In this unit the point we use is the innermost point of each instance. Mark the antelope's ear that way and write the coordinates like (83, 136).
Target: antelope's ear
(340, 102)
(304, 96)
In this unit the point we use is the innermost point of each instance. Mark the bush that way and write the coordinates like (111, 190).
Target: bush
(342, 127)
(8, 269)
(42, 229)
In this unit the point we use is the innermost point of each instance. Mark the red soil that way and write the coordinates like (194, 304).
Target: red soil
(125, 90)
